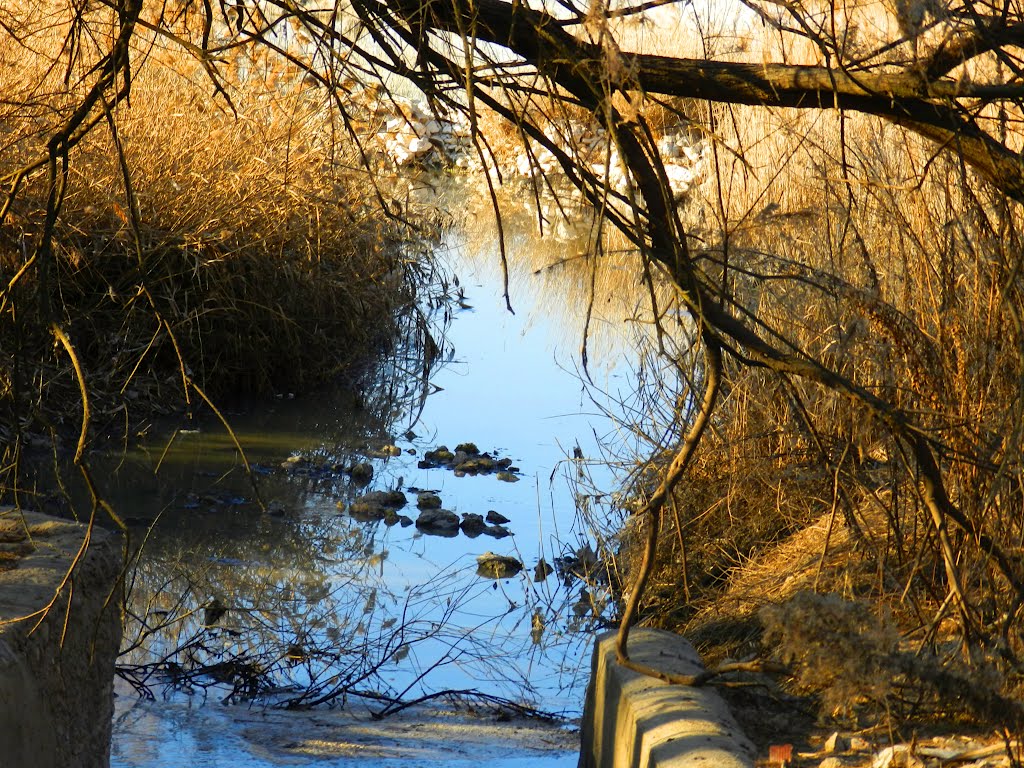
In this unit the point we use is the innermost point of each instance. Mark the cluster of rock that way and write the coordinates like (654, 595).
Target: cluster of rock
(412, 133)
(839, 751)
(684, 159)
(432, 518)
(359, 472)
(467, 459)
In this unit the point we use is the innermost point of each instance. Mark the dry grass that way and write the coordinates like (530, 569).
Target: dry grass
(865, 249)
(235, 245)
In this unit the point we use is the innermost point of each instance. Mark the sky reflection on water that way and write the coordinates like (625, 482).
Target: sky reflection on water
(511, 388)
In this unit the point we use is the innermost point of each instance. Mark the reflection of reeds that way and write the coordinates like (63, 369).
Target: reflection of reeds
(565, 267)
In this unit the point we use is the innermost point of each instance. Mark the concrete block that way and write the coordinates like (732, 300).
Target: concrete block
(634, 721)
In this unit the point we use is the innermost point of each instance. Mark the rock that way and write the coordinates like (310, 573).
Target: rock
(836, 743)
(391, 450)
(428, 500)
(440, 456)
(898, 756)
(475, 466)
(537, 627)
(831, 762)
(507, 477)
(497, 518)
(404, 520)
(366, 512)
(472, 524)
(858, 744)
(390, 499)
(492, 566)
(497, 531)
(467, 448)
(376, 505)
(438, 522)
(213, 612)
(392, 518)
(361, 473)
(542, 570)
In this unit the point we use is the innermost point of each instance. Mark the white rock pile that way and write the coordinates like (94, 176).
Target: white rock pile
(413, 133)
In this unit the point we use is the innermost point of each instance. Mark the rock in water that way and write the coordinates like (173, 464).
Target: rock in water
(472, 524)
(542, 570)
(497, 531)
(492, 566)
(438, 522)
(497, 518)
(361, 473)
(428, 500)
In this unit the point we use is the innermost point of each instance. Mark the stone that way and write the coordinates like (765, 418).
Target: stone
(376, 505)
(440, 456)
(507, 477)
(366, 511)
(390, 499)
(361, 472)
(542, 570)
(492, 566)
(836, 743)
(57, 675)
(497, 518)
(898, 756)
(630, 719)
(472, 524)
(831, 762)
(497, 531)
(438, 522)
(428, 500)
(467, 448)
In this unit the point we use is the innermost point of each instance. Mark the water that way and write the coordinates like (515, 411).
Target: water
(324, 601)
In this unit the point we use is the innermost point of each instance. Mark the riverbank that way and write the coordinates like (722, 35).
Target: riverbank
(60, 629)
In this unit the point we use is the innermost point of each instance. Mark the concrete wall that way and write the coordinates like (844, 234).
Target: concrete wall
(634, 721)
(56, 681)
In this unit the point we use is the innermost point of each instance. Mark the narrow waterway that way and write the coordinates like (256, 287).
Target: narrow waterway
(320, 598)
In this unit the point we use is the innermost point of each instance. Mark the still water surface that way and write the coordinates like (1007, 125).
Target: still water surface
(320, 579)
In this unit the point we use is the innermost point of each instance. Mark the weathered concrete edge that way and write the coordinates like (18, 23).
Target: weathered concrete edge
(634, 721)
(56, 679)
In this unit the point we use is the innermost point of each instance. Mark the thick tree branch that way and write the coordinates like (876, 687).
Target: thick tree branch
(929, 107)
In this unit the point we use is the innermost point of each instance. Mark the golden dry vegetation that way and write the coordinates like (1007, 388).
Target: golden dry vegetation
(212, 232)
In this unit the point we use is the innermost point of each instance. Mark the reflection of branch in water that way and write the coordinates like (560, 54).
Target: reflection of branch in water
(297, 638)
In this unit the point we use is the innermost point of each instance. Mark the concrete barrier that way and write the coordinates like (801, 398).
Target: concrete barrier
(634, 721)
(56, 678)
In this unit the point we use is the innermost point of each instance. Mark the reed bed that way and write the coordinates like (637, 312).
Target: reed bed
(217, 238)
(864, 248)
